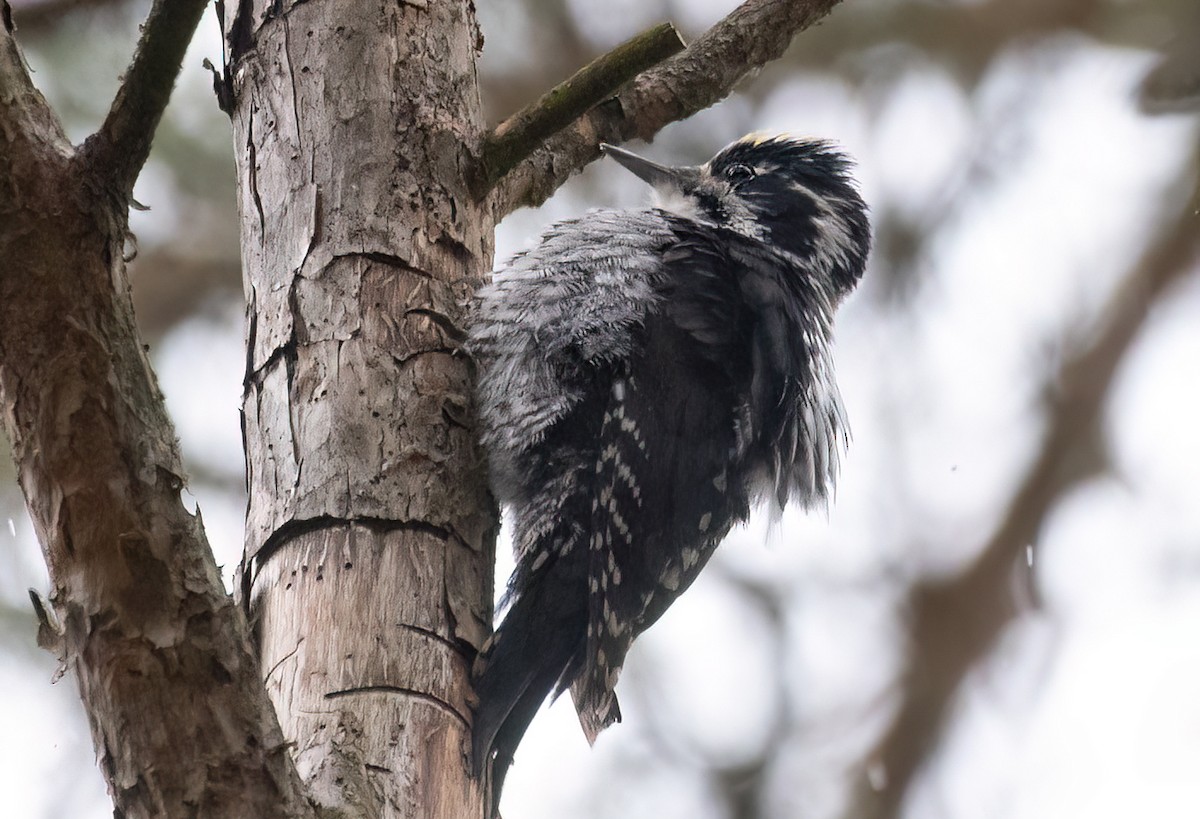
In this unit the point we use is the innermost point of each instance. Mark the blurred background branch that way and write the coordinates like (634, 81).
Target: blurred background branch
(36, 18)
(955, 621)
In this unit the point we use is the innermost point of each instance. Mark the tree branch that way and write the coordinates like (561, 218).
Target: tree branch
(955, 622)
(120, 148)
(752, 35)
(525, 131)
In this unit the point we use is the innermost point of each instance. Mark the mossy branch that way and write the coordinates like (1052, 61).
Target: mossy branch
(120, 148)
(527, 130)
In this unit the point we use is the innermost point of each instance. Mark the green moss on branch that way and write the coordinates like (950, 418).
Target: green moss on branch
(524, 132)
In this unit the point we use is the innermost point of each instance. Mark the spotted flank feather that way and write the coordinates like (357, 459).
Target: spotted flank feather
(616, 501)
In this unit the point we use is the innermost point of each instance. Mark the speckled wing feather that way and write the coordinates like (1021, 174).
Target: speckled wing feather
(571, 301)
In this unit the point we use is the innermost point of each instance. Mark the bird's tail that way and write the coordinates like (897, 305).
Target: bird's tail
(595, 703)
(521, 663)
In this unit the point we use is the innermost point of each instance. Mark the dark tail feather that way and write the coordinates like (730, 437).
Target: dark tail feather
(502, 679)
(512, 731)
(519, 666)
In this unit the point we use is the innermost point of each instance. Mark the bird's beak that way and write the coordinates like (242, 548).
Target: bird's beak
(657, 176)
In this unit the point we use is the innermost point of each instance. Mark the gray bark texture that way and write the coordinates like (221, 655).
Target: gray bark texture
(370, 532)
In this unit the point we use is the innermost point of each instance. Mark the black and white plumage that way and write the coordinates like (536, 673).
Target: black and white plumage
(646, 376)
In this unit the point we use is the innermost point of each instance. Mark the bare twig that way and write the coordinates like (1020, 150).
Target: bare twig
(1173, 84)
(955, 621)
(525, 131)
(120, 148)
(755, 33)
(38, 17)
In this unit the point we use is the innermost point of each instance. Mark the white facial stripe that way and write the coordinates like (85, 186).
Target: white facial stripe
(835, 244)
(675, 201)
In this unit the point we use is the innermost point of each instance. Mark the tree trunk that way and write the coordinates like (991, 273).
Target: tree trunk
(370, 533)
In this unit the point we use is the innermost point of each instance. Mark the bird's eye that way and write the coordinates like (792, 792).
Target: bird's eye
(737, 174)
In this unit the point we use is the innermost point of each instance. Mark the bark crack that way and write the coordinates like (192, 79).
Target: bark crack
(287, 50)
(423, 696)
(284, 659)
(296, 527)
(433, 635)
(389, 259)
(253, 180)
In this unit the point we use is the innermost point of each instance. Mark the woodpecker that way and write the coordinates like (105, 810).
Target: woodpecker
(644, 378)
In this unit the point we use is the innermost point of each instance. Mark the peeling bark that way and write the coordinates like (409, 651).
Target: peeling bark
(180, 722)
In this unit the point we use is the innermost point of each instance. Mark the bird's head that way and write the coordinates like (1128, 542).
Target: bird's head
(793, 194)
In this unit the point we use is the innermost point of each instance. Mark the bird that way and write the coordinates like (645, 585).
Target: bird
(645, 377)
